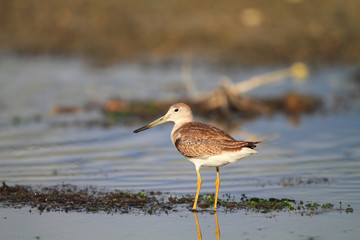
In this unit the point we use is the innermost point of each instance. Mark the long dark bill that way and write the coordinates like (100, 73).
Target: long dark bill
(152, 124)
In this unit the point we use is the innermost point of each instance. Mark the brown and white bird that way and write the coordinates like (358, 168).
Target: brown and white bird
(202, 144)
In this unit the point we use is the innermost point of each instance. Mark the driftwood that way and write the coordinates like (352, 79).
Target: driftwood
(228, 99)
(230, 96)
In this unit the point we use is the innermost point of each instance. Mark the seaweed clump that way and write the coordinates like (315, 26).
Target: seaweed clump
(68, 198)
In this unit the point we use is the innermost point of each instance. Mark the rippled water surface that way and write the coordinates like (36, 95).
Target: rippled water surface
(316, 160)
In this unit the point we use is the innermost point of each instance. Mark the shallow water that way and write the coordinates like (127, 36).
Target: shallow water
(323, 151)
(176, 226)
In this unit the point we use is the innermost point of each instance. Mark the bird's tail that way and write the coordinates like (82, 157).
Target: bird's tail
(252, 145)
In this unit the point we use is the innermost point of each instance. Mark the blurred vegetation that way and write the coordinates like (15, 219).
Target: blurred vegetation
(246, 31)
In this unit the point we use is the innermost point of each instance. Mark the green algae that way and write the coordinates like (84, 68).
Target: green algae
(70, 198)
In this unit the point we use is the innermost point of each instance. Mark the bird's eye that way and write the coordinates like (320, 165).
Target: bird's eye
(176, 110)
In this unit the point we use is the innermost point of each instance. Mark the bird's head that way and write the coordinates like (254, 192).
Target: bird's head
(177, 113)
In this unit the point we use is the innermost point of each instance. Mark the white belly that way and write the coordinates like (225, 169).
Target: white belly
(222, 159)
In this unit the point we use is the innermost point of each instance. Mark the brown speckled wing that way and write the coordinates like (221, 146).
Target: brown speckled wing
(198, 140)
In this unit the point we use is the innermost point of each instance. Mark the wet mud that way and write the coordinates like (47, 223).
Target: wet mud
(70, 198)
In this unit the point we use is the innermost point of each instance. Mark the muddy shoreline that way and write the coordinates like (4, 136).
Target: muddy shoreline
(245, 32)
(70, 198)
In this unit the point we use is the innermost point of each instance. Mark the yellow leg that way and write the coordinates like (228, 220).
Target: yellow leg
(199, 236)
(217, 184)
(217, 232)
(198, 188)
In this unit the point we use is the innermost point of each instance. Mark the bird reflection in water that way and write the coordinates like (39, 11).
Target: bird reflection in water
(217, 231)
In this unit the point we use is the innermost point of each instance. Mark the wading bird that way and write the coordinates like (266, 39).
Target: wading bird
(202, 144)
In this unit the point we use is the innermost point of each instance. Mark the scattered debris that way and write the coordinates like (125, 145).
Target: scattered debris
(227, 100)
(297, 181)
(70, 198)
